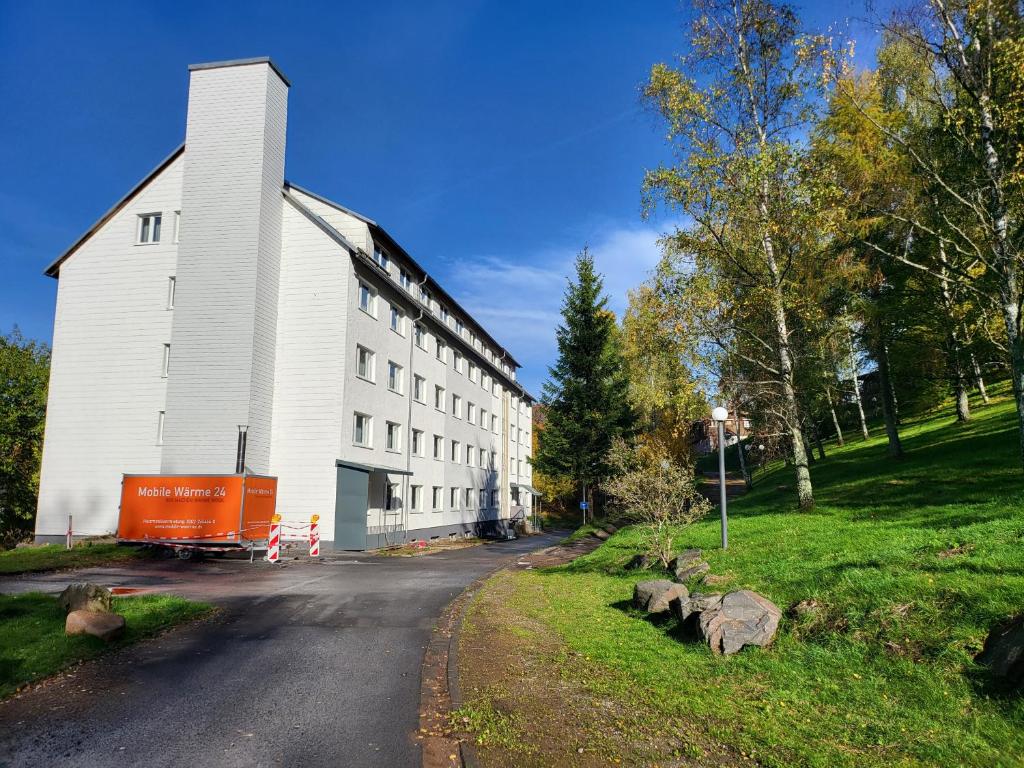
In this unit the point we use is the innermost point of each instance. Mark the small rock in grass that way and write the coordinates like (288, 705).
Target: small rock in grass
(105, 626)
(697, 569)
(610, 529)
(655, 596)
(741, 618)
(1003, 652)
(85, 597)
(640, 563)
(602, 535)
(684, 559)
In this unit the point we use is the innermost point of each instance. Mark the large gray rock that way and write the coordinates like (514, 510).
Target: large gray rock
(1003, 652)
(105, 626)
(656, 596)
(85, 597)
(684, 608)
(741, 618)
(687, 572)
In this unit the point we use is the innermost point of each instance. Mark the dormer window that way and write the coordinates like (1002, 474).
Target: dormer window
(149, 229)
(403, 279)
(381, 257)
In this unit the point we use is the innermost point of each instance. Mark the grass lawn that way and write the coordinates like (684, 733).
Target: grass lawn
(51, 557)
(33, 644)
(909, 563)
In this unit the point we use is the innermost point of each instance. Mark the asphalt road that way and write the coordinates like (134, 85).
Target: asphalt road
(309, 664)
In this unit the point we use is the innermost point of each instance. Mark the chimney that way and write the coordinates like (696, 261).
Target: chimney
(226, 284)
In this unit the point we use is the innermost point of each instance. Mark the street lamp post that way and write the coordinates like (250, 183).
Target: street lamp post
(243, 434)
(720, 414)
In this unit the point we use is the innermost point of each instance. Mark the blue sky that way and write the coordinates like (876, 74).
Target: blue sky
(492, 139)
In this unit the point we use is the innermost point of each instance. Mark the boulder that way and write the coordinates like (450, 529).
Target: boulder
(684, 608)
(1003, 652)
(610, 529)
(104, 625)
(85, 597)
(640, 563)
(741, 618)
(690, 571)
(601, 534)
(656, 596)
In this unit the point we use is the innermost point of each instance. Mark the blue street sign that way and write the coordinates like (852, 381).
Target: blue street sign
(584, 505)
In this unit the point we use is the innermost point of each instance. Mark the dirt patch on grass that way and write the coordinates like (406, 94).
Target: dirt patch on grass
(420, 548)
(529, 700)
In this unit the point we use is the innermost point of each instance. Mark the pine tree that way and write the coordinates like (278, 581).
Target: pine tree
(587, 391)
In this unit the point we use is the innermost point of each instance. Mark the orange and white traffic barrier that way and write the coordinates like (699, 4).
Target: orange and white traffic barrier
(314, 536)
(274, 542)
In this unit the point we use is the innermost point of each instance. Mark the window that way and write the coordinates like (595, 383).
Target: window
(444, 314)
(437, 500)
(361, 429)
(483, 498)
(456, 406)
(470, 452)
(415, 498)
(167, 361)
(425, 297)
(149, 229)
(439, 397)
(160, 427)
(455, 451)
(483, 419)
(483, 457)
(390, 499)
(458, 360)
(394, 377)
(170, 293)
(419, 388)
(494, 423)
(438, 447)
(403, 279)
(494, 387)
(454, 497)
(364, 363)
(469, 498)
(494, 459)
(441, 347)
(484, 381)
(420, 336)
(177, 225)
(459, 327)
(494, 499)
(393, 439)
(417, 442)
(367, 300)
(397, 320)
(381, 257)
(471, 413)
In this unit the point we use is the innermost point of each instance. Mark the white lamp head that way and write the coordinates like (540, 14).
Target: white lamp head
(720, 414)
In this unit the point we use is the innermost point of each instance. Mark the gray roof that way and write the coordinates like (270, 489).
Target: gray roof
(241, 63)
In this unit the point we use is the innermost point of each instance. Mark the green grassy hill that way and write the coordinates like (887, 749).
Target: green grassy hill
(908, 564)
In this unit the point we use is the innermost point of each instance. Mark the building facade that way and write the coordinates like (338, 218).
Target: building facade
(218, 297)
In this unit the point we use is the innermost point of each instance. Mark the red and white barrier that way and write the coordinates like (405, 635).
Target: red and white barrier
(314, 536)
(274, 542)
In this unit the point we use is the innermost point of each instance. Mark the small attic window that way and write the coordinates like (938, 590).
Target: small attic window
(149, 228)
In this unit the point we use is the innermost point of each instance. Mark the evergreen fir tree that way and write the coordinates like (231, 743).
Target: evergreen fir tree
(586, 394)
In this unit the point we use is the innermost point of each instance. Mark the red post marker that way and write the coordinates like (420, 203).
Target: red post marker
(274, 542)
(314, 536)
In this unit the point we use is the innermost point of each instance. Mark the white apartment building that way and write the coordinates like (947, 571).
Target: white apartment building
(216, 294)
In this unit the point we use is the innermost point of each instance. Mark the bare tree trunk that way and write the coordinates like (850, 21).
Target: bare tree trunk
(835, 419)
(954, 354)
(888, 398)
(979, 381)
(817, 439)
(747, 480)
(856, 387)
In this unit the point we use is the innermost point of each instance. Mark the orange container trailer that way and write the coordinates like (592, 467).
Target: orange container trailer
(213, 510)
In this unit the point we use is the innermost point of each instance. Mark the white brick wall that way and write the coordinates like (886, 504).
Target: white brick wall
(106, 388)
(223, 336)
(310, 371)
